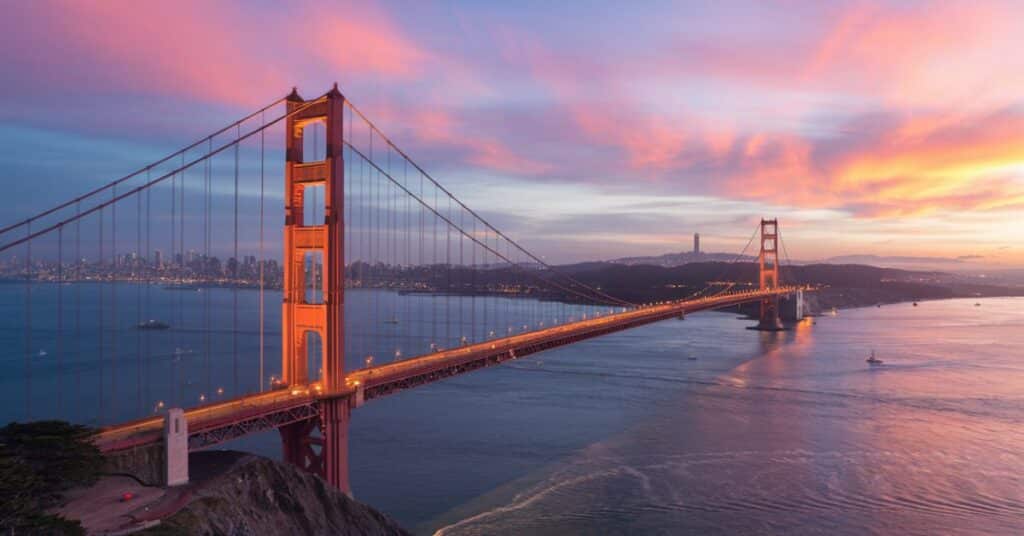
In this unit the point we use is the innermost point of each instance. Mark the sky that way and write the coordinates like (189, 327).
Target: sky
(587, 130)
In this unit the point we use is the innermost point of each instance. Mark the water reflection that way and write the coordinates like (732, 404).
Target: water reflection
(805, 437)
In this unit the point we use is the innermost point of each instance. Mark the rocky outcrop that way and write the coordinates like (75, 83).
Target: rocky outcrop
(241, 494)
(144, 463)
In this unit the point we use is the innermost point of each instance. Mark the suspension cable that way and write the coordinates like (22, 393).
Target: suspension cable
(150, 183)
(136, 172)
(533, 257)
(452, 225)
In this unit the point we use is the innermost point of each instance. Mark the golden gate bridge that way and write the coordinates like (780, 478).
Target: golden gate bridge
(362, 222)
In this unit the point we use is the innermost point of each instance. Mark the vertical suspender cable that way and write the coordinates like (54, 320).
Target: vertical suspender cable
(181, 270)
(60, 320)
(473, 267)
(234, 278)
(486, 290)
(152, 266)
(349, 272)
(137, 275)
(377, 248)
(28, 325)
(261, 320)
(207, 264)
(364, 245)
(461, 273)
(99, 316)
(78, 305)
(408, 251)
(434, 266)
(113, 304)
(420, 265)
(448, 277)
(176, 355)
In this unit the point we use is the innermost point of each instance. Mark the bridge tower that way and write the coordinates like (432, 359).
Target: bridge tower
(314, 288)
(769, 274)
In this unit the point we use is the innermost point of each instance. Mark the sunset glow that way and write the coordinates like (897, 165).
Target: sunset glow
(883, 129)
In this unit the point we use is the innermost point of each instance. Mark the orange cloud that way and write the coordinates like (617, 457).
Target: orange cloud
(974, 165)
(924, 161)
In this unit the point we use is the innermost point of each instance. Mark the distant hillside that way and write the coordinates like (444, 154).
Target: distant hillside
(843, 285)
(669, 260)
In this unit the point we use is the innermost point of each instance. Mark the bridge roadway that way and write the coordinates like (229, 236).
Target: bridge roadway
(212, 424)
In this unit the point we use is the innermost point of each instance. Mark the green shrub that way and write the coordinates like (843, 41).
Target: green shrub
(38, 462)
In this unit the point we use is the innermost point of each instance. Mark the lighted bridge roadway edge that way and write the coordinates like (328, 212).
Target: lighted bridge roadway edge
(216, 423)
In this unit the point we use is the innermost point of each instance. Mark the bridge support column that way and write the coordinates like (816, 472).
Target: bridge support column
(334, 417)
(301, 446)
(770, 315)
(317, 247)
(320, 446)
(791, 309)
(175, 448)
(769, 275)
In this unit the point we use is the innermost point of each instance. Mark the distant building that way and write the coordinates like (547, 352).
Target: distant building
(696, 243)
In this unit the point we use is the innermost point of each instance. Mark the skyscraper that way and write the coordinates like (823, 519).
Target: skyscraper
(696, 243)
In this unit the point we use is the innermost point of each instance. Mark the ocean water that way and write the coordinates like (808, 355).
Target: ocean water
(693, 426)
(787, 433)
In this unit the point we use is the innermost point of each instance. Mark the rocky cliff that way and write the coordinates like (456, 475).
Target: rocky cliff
(240, 494)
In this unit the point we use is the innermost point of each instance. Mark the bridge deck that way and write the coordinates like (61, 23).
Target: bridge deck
(215, 423)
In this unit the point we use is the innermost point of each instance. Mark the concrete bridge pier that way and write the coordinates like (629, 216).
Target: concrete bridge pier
(769, 320)
(175, 447)
(791, 307)
(160, 463)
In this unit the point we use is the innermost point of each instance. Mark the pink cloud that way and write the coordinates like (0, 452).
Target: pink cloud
(221, 53)
(163, 49)
(365, 42)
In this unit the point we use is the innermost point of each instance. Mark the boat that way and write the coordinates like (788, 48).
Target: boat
(392, 320)
(43, 353)
(153, 324)
(915, 304)
(872, 360)
(977, 304)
